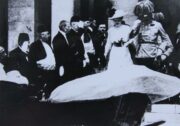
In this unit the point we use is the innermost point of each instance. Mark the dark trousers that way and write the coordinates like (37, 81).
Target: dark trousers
(73, 70)
(148, 62)
(130, 109)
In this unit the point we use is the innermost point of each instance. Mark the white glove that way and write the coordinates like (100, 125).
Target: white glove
(85, 62)
(46, 65)
(61, 71)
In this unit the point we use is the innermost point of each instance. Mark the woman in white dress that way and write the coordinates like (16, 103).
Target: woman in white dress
(121, 74)
(121, 77)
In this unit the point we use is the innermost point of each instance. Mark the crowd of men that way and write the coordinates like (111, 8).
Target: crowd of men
(75, 51)
(78, 50)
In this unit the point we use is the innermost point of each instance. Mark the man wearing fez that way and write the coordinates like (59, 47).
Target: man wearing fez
(18, 58)
(42, 58)
(13, 82)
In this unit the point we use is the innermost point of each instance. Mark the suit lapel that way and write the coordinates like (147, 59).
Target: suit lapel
(64, 39)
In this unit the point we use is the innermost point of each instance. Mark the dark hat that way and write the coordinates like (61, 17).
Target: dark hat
(75, 19)
(23, 37)
(42, 28)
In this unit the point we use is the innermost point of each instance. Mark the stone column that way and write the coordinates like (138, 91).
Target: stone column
(61, 10)
(20, 19)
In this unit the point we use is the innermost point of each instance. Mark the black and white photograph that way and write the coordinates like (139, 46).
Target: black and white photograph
(89, 63)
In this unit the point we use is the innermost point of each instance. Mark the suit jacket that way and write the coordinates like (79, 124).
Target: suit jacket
(76, 47)
(61, 50)
(99, 40)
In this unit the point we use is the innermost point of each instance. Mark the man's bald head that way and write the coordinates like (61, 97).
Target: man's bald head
(64, 26)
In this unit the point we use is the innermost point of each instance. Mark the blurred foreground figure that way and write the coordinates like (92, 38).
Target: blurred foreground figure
(13, 85)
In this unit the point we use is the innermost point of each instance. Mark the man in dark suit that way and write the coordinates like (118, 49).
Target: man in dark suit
(100, 39)
(42, 59)
(62, 53)
(76, 47)
(18, 58)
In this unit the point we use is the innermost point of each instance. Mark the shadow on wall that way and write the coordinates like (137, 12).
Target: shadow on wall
(170, 9)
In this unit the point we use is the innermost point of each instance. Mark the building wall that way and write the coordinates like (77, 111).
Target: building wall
(20, 19)
(21, 16)
(65, 9)
(61, 10)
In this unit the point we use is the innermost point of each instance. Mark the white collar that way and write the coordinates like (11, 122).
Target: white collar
(22, 49)
(63, 33)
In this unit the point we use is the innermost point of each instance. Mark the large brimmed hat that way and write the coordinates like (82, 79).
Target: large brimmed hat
(118, 14)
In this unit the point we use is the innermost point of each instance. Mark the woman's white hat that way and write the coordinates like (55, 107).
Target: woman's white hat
(118, 14)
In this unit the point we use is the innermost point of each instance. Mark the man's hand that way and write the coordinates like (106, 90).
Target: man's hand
(163, 57)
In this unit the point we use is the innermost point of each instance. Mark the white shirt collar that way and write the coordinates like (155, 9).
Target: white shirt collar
(22, 49)
(63, 33)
